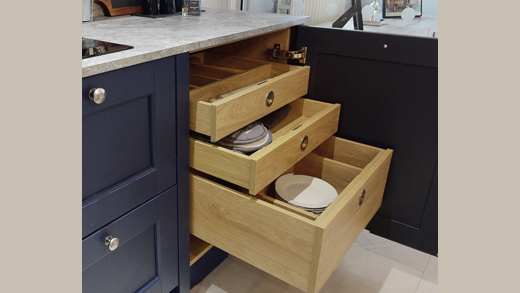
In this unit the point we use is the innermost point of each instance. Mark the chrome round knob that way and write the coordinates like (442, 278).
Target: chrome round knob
(98, 95)
(112, 242)
(269, 99)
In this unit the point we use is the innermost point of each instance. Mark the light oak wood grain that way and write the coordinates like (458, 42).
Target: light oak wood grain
(202, 114)
(282, 241)
(286, 206)
(267, 236)
(348, 152)
(286, 151)
(220, 162)
(198, 248)
(258, 170)
(344, 220)
(242, 108)
(223, 117)
(210, 71)
(258, 47)
(328, 170)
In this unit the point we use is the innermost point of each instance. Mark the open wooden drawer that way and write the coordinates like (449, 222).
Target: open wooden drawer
(296, 246)
(272, 85)
(308, 125)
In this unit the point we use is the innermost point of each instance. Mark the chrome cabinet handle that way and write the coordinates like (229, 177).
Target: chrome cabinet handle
(305, 142)
(362, 197)
(98, 95)
(112, 242)
(269, 99)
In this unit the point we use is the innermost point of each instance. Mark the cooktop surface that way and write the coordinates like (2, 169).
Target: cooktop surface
(91, 48)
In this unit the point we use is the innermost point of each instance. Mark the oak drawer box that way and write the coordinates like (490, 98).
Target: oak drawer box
(272, 85)
(308, 124)
(295, 246)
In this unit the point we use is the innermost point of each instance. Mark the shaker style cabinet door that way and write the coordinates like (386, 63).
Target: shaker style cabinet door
(135, 253)
(387, 86)
(129, 139)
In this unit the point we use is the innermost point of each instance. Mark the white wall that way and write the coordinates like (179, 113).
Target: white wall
(430, 7)
(220, 4)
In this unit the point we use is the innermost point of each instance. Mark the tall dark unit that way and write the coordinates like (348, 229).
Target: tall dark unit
(388, 88)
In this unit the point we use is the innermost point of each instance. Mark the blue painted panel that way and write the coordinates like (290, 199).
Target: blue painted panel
(129, 141)
(146, 257)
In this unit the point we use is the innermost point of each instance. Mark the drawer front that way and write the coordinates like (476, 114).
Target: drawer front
(146, 258)
(302, 250)
(308, 120)
(128, 142)
(270, 86)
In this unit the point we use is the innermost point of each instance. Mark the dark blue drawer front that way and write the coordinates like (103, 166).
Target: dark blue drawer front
(146, 258)
(129, 141)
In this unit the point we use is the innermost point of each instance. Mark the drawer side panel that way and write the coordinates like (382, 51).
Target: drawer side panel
(258, 233)
(343, 222)
(219, 162)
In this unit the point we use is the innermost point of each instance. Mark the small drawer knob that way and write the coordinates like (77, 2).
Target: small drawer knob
(269, 99)
(305, 142)
(362, 197)
(98, 95)
(112, 242)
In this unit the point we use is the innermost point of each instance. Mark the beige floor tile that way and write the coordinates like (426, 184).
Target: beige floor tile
(231, 276)
(427, 287)
(364, 271)
(272, 284)
(431, 272)
(403, 254)
(258, 289)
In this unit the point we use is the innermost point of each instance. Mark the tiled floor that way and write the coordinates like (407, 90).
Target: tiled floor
(372, 265)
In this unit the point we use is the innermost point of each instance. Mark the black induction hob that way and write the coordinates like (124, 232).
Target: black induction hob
(91, 48)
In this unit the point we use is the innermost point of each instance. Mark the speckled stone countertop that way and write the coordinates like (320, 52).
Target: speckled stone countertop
(155, 38)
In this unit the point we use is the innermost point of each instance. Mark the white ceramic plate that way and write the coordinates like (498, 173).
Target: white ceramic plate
(305, 191)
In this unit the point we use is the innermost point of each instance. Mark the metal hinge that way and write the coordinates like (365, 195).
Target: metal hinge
(301, 54)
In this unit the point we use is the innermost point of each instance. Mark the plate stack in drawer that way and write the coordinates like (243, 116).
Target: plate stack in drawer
(232, 198)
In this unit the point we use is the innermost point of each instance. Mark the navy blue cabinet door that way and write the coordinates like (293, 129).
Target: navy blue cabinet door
(387, 87)
(145, 259)
(129, 140)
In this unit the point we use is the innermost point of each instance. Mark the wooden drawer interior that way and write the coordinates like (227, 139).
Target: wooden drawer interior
(307, 118)
(215, 75)
(298, 247)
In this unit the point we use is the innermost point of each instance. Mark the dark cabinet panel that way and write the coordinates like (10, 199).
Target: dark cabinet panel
(116, 145)
(387, 86)
(129, 140)
(146, 257)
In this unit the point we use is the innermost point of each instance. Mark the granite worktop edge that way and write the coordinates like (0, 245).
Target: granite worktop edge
(109, 62)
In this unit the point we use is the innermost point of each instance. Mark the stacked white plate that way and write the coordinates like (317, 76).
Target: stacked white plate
(305, 192)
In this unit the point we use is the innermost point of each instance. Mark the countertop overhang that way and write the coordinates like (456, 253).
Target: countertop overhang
(156, 38)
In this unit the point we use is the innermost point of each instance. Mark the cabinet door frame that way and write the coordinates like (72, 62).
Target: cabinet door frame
(158, 213)
(156, 82)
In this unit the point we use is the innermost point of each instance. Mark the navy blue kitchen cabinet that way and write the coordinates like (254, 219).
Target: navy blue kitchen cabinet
(135, 165)
(144, 257)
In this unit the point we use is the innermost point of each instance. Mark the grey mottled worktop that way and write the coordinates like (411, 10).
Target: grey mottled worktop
(155, 38)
